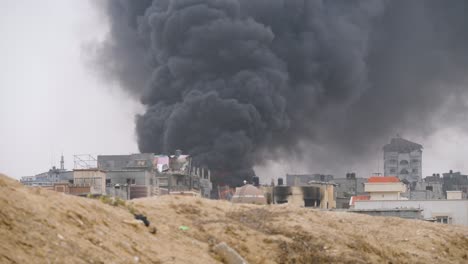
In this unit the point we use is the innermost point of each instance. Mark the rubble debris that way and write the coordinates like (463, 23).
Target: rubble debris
(143, 218)
(229, 255)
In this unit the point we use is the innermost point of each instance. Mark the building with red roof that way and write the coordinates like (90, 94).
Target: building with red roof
(375, 179)
(384, 188)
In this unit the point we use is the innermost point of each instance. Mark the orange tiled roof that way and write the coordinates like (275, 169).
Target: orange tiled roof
(383, 179)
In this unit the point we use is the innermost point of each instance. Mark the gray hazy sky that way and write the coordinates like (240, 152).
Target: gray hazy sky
(51, 102)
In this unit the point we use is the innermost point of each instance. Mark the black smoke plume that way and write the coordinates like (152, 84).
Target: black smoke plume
(235, 82)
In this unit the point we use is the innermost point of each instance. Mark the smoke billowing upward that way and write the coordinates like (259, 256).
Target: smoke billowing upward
(234, 82)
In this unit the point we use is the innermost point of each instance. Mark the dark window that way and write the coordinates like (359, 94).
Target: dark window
(443, 219)
(429, 188)
(309, 202)
(403, 171)
(404, 162)
(392, 170)
(415, 170)
(108, 182)
(414, 161)
(130, 180)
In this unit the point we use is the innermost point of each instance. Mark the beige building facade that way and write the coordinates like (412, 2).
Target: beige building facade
(384, 188)
(94, 178)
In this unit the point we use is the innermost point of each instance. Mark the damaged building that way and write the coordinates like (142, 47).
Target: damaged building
(312, 193)
(146, 174)
(344, 188)
(176, 175)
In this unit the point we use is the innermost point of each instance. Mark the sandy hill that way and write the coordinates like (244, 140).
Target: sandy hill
(40, 226)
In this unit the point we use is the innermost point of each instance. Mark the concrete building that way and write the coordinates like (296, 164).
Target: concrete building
(385, 199)
(430, 188)
(176, 175)
(348, 187)
(129, 176)
(315, 194)
(95, 179)
(139, 161)
(384, 188)
(403, 159)
(455, 181)
(146, 174)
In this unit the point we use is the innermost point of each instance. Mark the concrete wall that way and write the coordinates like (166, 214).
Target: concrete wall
(402, 213)
(347, 187)
(384, 187)
(322, 194)
(96, 179)
(122, 192)
(121, 162)
(76, 190)
(140, 177)
(384, 196)
(454, 195)
(427, 190)
(457, 210)
(71, 189)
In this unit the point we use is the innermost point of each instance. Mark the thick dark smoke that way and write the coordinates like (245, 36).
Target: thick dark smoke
(234, 82)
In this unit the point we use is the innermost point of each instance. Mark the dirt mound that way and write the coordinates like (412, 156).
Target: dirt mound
(43, 226)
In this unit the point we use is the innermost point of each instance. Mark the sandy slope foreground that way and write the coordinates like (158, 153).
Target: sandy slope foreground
(40, 226)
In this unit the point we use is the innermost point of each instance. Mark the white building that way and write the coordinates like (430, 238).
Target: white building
(442, 211)
(403, 158)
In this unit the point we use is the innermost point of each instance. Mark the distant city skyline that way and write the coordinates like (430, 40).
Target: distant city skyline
(43, 114)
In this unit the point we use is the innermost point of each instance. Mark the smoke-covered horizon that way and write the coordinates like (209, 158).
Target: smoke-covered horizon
(238, 82)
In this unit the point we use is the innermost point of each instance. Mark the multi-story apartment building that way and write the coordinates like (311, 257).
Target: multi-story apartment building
(403, 158)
